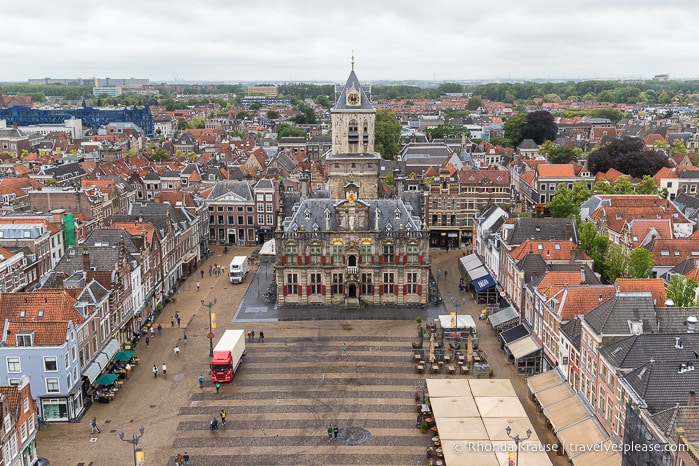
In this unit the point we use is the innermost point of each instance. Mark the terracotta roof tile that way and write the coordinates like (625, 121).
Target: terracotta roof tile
(581, 299)
(656, 286)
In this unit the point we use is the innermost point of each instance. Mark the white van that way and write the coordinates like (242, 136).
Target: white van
(238, 269)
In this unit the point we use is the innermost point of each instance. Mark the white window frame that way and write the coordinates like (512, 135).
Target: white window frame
(14, 361)
(53, 380)
(48, 359)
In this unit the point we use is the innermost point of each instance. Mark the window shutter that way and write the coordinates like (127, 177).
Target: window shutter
(308, 260)
(322, 260)
(419, 290)
(405, 258)
(299, 260)
(381, 290)
(283, 260)
(308, 290)
(300, 290)
(395, 290)
(359, 260)
(332, 259)
(322, 289)
(405, 290)
(419, 258)
(380, 259)
(286, 289)
(396, 258)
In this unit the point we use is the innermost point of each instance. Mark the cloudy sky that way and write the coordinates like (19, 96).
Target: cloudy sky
(313, 40)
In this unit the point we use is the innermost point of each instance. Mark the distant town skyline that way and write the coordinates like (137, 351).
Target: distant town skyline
(313, 40)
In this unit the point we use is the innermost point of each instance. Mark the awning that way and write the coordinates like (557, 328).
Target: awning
(106, 379)
(554, 394)
(470, 262)
(600, 455)
(101, 360)
(92, 371)
(545, 380)
(503, 316)
(500, 406)
(111, 349)
(462, 321)
(586, 432)
(483, 283)
(566, 412)
(515, 333)
(123, 355)
(523, 347)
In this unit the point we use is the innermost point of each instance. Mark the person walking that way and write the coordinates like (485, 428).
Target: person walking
(445, 274)
(210, 269)
(249, 336)
(439, 274)
(198, 286)
(155, 371)
(202, 274)
(172, 321)
(152, 332)
(179, 461)
(261, 339)
(147, 342)
(201, 380)
(218, 387)
(178, 321)
(160, 329)
(335, 431)
(330, 433)
(164, 370)
(344, 349)
(223, 417)
(176, 350)
(93, 426)
(185, 457)
(185, 338)
(252, 336)
(214, 424)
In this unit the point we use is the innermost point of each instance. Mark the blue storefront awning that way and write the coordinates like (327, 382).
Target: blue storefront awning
(483, 283)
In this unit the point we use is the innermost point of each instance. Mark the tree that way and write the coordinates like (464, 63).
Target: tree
(474, 103)
(641, 263)
(616, 262)
(678, 147)
(243, 115)
(540, 127)
(682, 291)
(562, 205)
(514, 125)
(285, 130)
(500, 141)
(387, 132)
(160, 155)
(182, 124)
(273, 115)
(558, 154)
(446, 130)
(389, 179)
(647, 186)
(622, 185)
(602, 186)
(197, 123)
(594, 245)
(629, 156)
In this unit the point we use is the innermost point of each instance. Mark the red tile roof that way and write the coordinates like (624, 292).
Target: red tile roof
(580, 299)
(548, 250)
(555, 170)
(656, 286)
(670, 252)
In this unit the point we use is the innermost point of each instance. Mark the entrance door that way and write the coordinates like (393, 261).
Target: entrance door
(231, 237)
(352, 261)
(352, 290)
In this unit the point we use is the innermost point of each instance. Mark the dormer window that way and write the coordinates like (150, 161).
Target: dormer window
(22, 313)
(396, 214)
(307, 214)
(25, 339)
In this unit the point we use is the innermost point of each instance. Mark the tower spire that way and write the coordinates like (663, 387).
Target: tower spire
(353, 60)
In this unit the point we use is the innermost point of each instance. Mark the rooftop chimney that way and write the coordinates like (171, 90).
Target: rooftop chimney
(691, 398)
(86, 261)
(583, 281)
(691, 324)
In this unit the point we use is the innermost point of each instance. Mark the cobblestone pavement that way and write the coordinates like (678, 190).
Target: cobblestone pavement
(287, 391)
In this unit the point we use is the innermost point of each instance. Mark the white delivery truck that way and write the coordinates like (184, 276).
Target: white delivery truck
(238, 269)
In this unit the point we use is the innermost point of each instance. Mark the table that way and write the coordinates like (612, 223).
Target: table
(461, 359)
(417, 357)
(476, 357)
(425, 409)
(435, 368)
(447, 358)
(464, 369)
(451, 369)
(420, 368)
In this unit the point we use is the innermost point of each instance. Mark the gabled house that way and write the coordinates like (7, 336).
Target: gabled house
(19, 415)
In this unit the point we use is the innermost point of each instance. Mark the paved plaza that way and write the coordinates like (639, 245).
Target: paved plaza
(288, 389)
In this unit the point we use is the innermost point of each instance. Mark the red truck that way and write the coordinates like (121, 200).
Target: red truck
(228, 354)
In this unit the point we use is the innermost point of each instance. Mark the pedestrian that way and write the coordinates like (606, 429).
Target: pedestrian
(201, 380)
(218, 387)
(172, 321)
(330, 433)
(176, 350)
(178, 321)
(202, 274)
(164, 370)
(179, 461)
(155, 371)
(152, 332)
(214, 424)
(147, 342)
(252, 336)
(160, 329)
(261, 339)
(445, 274)
(93, 426)
(344, 349)
(185, 457)
(223, 417)
(197, 286)
(210, 268)
(439, 273)
(248, 335)
(335, 431)
(185, 338)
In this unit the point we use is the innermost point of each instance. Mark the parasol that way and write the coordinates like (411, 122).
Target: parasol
(469, 350)
(432, 348)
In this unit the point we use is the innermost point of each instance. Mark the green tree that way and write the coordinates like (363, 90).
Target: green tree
(323, 101)
(682, 291)
(285, 130)
(616, 262)
(389, 179)
(678, 147)
(563, 205)
(540, 127)
(558, 154)
(623, 185)
(446, 131)
(474, 103)
(255, 106)
(197, 123)
(387, 134)
(647, 186)
(581, 193)
(161, 155)
(51, 182)
(514, 125)
(602, 186)
(243, 115)
(641, 263)
(273, 115)
(500, 141)
(182, 124)
(594, 245)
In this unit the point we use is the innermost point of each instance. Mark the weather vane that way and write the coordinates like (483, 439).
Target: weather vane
(352, 59)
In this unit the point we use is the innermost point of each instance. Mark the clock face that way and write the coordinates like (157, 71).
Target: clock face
(353, 98)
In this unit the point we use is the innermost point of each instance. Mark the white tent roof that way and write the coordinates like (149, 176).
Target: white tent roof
(448, 387)
(492, 387)
(269, 248)
(506, 406)
(462, 320)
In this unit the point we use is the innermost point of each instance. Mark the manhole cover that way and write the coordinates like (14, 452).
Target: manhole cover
(353, 436)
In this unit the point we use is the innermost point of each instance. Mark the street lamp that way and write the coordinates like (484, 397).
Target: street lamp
(133, 441)
(517, 440)
(210, 336)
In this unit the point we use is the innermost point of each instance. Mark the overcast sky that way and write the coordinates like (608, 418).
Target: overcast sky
(312, 40)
